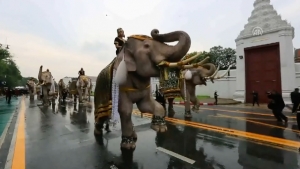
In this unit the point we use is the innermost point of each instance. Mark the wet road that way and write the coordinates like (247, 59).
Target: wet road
(215, 138)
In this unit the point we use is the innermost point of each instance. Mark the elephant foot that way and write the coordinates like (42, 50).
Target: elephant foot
(158, 124)
(196, 108)
(188, 114)
(171, 112)
(134, 136)
(127, 143)
(98, 129)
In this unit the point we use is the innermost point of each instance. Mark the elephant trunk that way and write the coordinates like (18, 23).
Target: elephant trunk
(211, 69)
(177, 52)
(40, 73)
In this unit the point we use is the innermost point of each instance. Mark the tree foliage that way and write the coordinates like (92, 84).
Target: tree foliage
(9, 71)
(219, 56)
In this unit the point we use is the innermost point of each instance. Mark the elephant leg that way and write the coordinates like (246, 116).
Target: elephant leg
(107, 126)
(79, 94)
(125, 111)
(171, 111)
(158, 119)
(195, 102)
(187, 104)
(45, 96)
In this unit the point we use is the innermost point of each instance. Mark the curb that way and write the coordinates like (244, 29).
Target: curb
(206, 104)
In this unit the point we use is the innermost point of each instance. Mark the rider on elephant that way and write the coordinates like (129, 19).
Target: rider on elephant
(119, 41)
(81, 72)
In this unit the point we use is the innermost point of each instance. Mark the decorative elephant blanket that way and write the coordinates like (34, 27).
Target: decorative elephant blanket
(73, 88)
(103, 106)
(84, 79)
(170, 82)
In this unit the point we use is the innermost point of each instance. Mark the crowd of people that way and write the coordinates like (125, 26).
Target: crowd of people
(10, 92)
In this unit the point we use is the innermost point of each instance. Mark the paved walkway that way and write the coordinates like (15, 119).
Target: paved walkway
(6, 111)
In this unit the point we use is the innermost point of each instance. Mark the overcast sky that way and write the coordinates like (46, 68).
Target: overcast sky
(65, 35)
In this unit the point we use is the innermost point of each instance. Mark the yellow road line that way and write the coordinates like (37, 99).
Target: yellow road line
(249, 118)
(235, 111)
(18, 161)
(237, 133)
(256, 122)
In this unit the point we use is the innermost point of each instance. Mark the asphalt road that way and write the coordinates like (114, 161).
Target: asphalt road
(215, 138)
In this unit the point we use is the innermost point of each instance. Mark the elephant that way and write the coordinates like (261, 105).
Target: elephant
(31, 88)
(126, 80)
(48, 86)
(62, 91)
(81, 88)
(200, 75)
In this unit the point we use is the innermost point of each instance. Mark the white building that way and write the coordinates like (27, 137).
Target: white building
(265, 59)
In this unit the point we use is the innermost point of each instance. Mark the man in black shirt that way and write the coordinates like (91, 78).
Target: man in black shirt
(295, 97)
(8, 95)
(119, 41)
(255, 98)
(81, 72)
(216, 97)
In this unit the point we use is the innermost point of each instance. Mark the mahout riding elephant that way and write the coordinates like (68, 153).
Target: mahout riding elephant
(126, 80)
(31, 88)
(48, 86)
(62, 91)
(199, 74)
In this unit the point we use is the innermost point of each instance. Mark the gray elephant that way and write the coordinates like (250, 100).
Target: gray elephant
(81, 88)
(62, 91)
(132, 68)
(186, 88)
(31, 88)
(48, 86)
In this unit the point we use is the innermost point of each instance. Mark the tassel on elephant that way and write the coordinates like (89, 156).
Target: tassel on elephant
(134, 66)
(48, 86)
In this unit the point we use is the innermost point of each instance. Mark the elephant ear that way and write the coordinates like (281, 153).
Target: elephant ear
(130, 62)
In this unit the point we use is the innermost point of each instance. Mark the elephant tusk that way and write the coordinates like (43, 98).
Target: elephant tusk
(178, 64)
(195, 65)
(219, 77)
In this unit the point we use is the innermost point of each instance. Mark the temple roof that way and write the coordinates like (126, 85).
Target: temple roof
(265, 17)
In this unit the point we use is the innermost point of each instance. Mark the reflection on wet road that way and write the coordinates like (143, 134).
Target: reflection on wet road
(215, 138)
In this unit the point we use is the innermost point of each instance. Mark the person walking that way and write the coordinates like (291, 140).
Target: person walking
(255, 98)
(277, 105)
(8, 95)
(295, 98)
(216, 97)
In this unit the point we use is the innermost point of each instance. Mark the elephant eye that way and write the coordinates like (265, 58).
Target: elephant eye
(146, 45)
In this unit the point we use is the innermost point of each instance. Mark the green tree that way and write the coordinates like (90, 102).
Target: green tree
(9, 71)
(223, 57)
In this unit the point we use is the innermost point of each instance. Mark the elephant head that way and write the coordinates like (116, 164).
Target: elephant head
(30, 84)
(205, 72)
(45, 77)
(142, 54)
